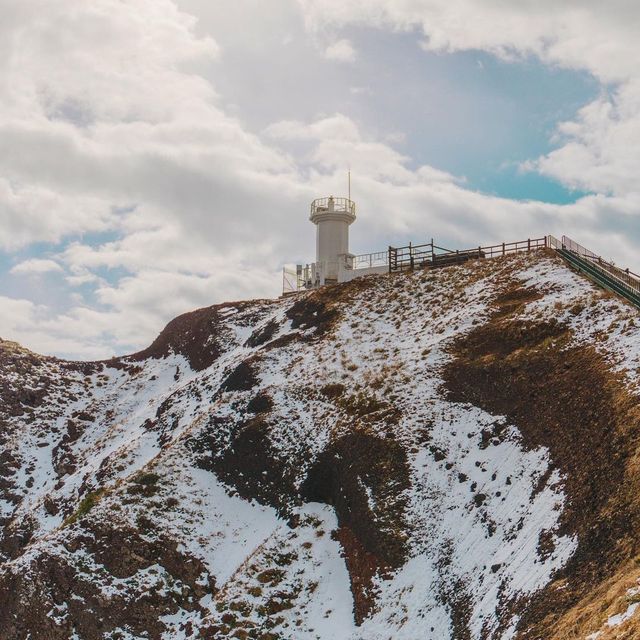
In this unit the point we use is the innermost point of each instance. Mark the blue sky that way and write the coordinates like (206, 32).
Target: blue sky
(468, 112)
(472, 114)
(160, 155)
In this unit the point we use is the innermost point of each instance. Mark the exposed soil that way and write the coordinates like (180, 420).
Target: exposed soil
(19, 363)
(63, 459)
(54, 584)
(455, 595)
(15, 537)
(361, 474)
(364, 476)
(313, 311)
(321, 308)
(563, 397)
(243, 378)
(193, 335)
(262, 403)
(250, 464)
(363, 567)
(364, 407)
(263, 335)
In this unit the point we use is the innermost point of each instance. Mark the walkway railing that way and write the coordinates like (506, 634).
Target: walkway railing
(621, 281)
(626, 276)
(432, 256)
(369, 260)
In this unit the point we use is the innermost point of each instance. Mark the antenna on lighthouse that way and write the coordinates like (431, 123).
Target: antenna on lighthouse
(349, 179)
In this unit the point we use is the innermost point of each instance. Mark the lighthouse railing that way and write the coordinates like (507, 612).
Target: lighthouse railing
(337, 205)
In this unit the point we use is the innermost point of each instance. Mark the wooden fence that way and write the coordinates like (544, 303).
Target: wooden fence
(432, 256)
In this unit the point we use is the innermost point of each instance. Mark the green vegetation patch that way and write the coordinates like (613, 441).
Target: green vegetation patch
(86, 504)
(144, 484)
(147, 479)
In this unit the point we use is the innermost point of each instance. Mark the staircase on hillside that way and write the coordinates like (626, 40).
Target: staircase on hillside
(620, 281)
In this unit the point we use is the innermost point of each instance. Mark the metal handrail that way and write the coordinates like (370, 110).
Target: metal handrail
(568, 243)
(553, 242)
(369, 260)
(625, 277)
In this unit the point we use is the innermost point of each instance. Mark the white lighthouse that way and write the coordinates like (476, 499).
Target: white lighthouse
(332, 217)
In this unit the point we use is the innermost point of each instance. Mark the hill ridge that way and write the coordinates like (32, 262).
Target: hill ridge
(349, 463)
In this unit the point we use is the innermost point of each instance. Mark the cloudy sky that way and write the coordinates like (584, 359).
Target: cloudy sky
(160, 155)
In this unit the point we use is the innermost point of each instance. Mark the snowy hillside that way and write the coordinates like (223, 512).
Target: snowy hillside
(445, 454)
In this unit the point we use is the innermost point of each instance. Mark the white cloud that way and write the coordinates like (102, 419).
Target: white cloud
(338, 127)
(105, 129)
(357, 91)
(27, 323)
(35, 266)
(600, 149)
(341, 51)
(577, 33)
(32, 212)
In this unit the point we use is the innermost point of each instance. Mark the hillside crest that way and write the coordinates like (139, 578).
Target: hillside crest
(448, 453)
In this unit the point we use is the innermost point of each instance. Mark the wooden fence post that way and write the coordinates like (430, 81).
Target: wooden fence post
(503, 251)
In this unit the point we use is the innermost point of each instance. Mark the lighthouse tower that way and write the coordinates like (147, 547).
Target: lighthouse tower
(332, 217)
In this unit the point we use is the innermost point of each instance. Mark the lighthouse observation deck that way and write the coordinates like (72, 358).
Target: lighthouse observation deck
(332, 205)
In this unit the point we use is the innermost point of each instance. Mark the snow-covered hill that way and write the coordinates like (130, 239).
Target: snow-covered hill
(445, 454)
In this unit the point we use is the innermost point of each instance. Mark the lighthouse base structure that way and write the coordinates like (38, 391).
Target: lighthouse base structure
(346, 268)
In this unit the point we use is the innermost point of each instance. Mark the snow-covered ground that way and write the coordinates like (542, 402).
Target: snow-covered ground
(473, 514)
